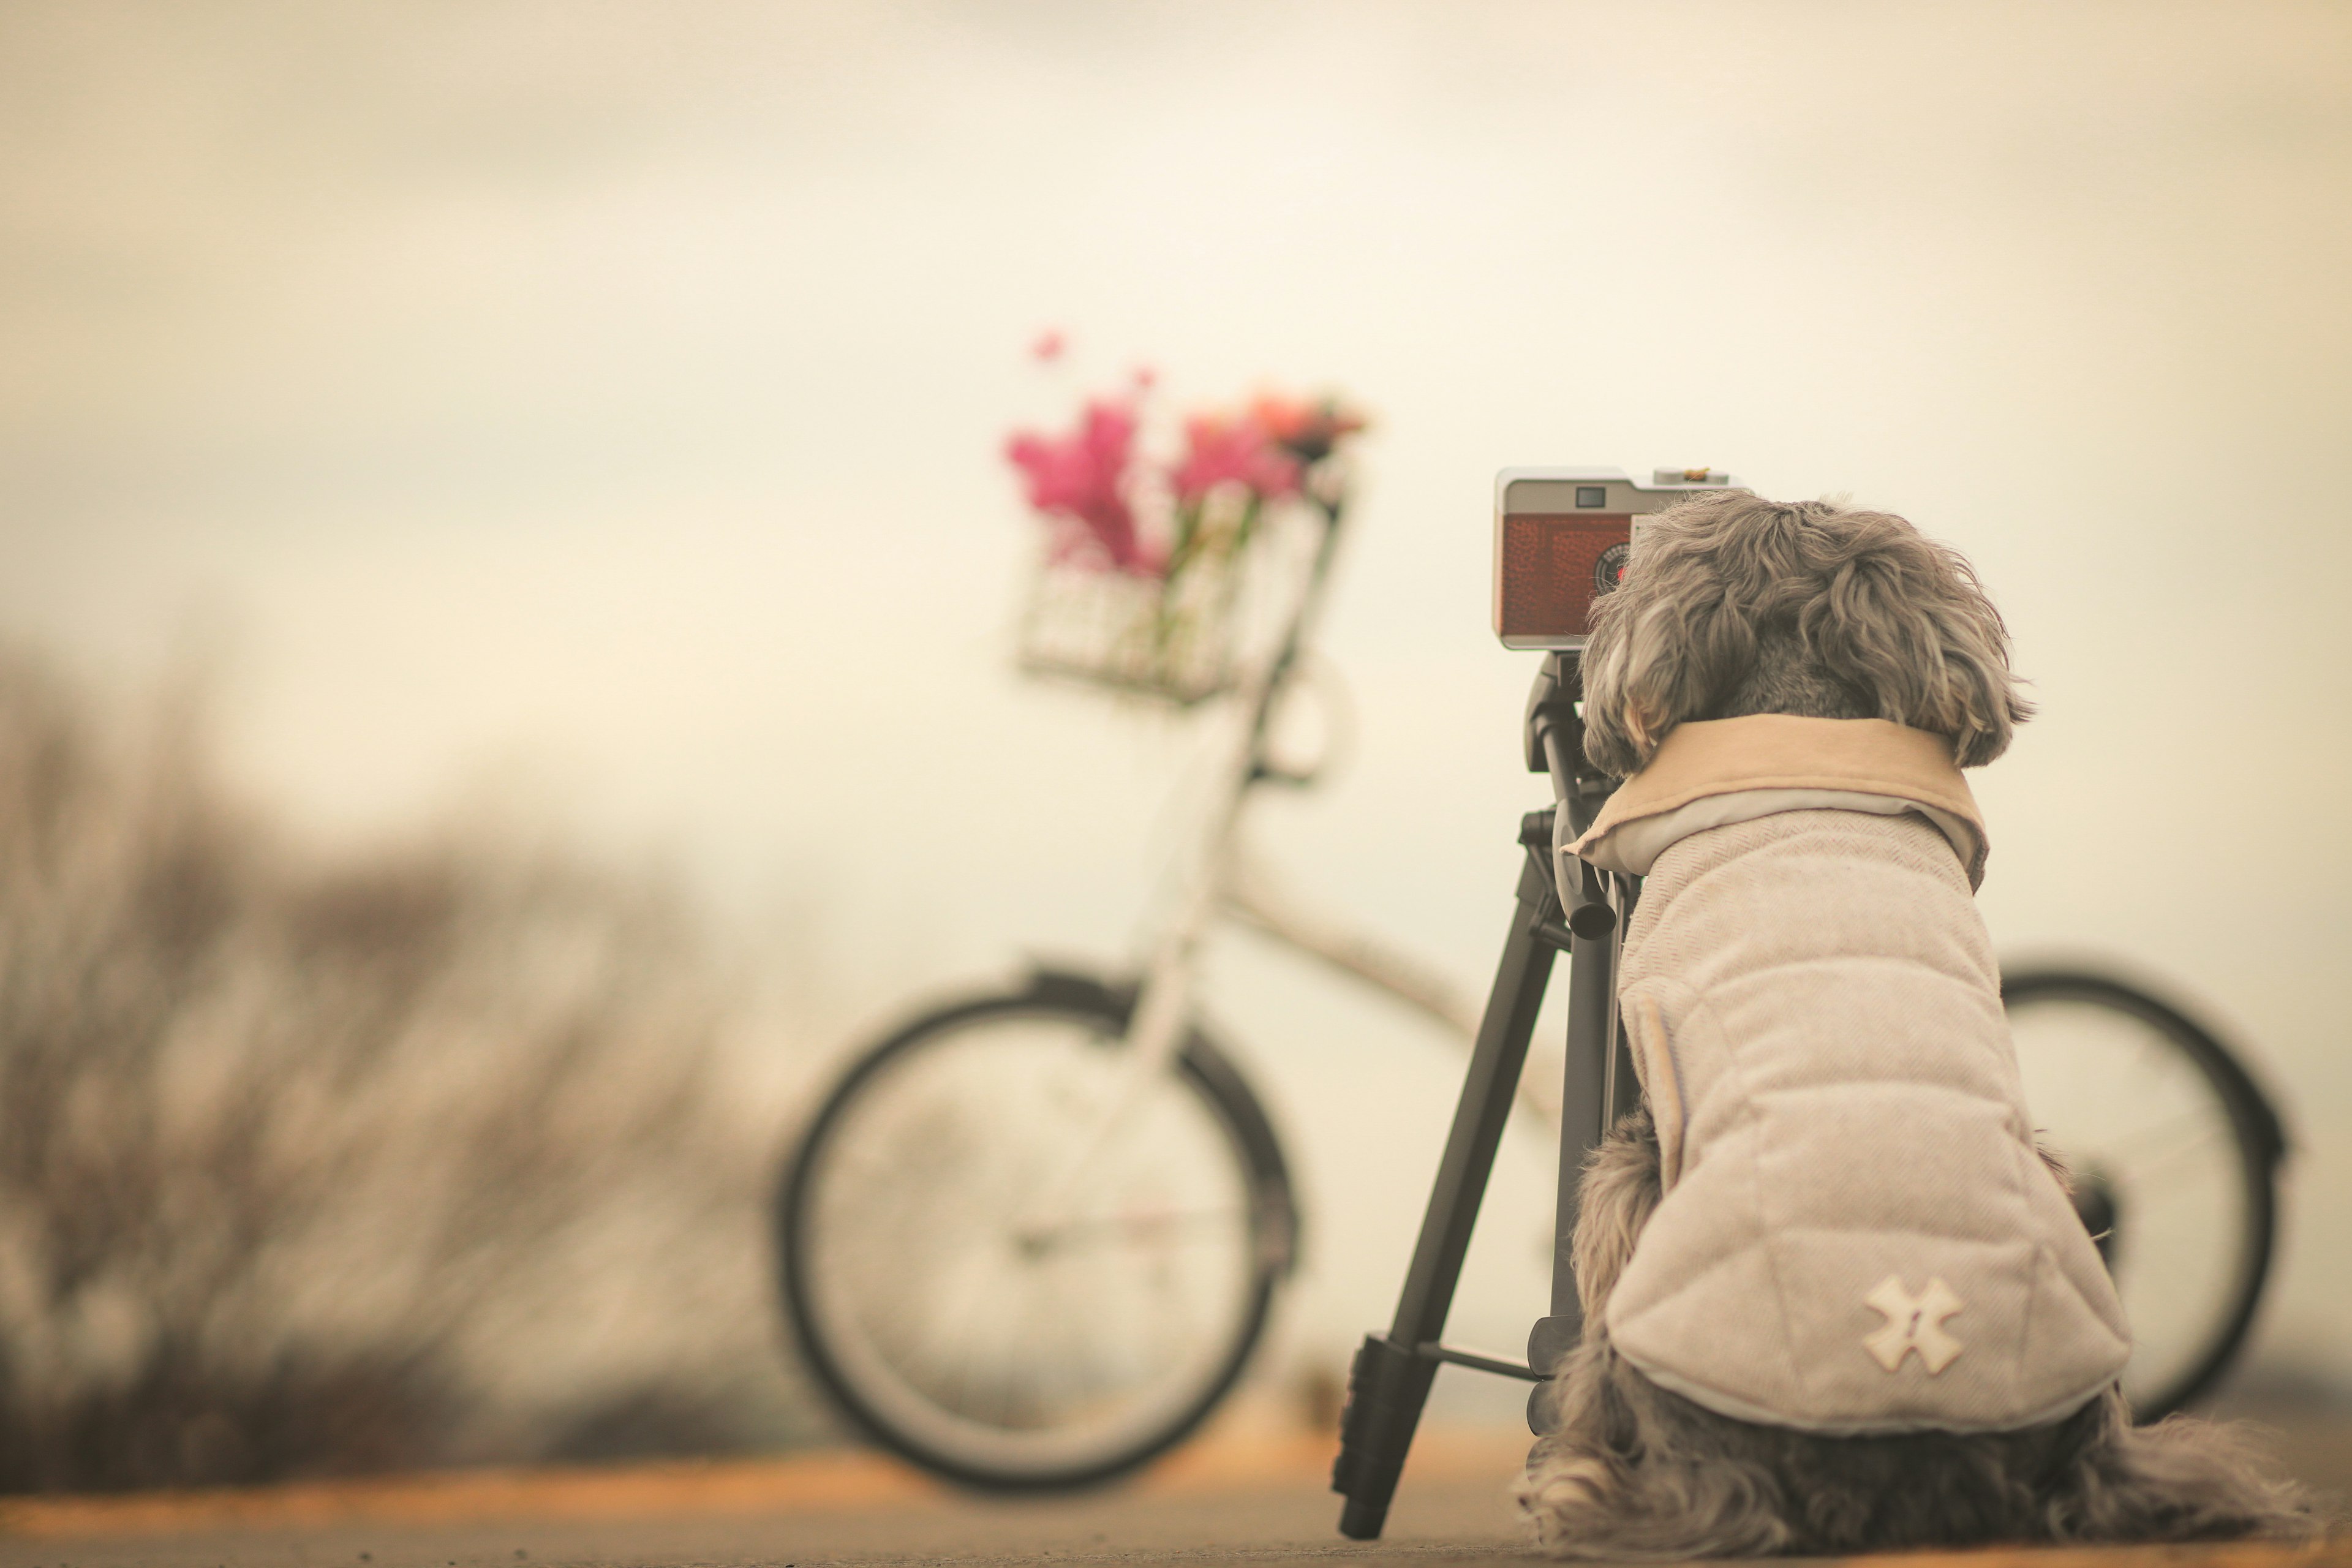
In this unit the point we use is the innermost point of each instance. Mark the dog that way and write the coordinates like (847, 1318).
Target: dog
(1836, 1298)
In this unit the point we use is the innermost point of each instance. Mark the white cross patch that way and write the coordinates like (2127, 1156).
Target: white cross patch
(1912, 1323)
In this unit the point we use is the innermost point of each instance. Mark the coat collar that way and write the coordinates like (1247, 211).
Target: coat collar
(1778, 762)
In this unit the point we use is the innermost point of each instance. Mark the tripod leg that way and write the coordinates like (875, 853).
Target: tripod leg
(1587, 1111)
(1391, 1378)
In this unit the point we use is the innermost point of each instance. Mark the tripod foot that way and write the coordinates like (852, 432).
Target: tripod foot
(1387, 1386)
(1361, 1521)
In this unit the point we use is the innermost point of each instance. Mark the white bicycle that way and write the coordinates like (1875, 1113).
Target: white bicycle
(1031, 1235)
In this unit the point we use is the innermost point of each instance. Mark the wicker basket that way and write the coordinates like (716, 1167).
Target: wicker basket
(1169, 638)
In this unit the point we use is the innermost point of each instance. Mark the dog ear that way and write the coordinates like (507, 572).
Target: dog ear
(1620, 735)
(1617, 740)
(1668, 642)
(1902, 621)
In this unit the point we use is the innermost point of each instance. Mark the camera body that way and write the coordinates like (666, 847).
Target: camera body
(1561, 536)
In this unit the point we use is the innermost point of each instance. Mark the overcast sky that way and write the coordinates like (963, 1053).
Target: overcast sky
(597, 412)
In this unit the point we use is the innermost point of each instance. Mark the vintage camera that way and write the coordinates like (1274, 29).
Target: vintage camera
(1561, 536)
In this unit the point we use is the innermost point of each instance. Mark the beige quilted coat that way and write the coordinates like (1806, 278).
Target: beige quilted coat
(1857, 1234)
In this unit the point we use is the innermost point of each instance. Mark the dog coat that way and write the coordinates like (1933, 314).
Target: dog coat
(1856, 1235)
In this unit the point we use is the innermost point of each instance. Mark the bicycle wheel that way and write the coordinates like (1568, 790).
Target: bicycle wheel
(2176, 1156)
(1004, 1347)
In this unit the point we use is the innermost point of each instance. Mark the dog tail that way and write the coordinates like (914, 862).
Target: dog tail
(2180, 1480)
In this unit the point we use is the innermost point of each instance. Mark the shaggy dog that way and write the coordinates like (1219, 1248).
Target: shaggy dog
(1810, 1413)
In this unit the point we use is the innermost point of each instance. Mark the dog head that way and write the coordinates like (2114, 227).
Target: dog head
(1732, 605)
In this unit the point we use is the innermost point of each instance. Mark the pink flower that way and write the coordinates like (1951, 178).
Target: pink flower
(1220, 451)
(1081, 478)
(1048, 347)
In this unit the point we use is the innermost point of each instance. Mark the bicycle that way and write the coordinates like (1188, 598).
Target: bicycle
(1031, 1235)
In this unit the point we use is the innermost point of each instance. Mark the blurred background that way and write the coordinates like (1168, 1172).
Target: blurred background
(511, 575)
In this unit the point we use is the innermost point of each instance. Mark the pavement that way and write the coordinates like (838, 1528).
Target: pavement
(1247, 1500)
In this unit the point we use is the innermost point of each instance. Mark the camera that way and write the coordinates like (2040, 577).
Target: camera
(1561, 536)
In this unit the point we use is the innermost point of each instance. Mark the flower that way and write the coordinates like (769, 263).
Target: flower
(1221, 451)
(1081, 478)
(1308, 431)
(1048, 347)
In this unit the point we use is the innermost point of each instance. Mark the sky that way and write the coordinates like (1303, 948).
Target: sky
(591, 418)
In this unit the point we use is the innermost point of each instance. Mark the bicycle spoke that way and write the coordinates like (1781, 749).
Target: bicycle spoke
(2142, 1169)
(1138, 1229)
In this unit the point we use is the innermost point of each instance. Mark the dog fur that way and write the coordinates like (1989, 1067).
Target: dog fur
(1733, 605)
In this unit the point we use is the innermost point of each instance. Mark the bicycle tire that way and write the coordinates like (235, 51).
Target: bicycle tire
(911, 1408)
(2223, 1227)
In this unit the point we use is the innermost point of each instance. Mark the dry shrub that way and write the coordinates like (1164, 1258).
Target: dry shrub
(311, 1169)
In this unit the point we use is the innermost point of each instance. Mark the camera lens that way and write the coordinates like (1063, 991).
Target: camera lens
(1609, 570)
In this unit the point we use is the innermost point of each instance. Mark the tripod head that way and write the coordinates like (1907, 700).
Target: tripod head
(1553, 738)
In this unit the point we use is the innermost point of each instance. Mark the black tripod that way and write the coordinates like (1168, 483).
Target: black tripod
(1563, 905)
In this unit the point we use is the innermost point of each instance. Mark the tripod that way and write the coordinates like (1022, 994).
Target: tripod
(1563, 905)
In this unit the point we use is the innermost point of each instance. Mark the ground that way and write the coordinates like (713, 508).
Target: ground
(1240, 1500)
